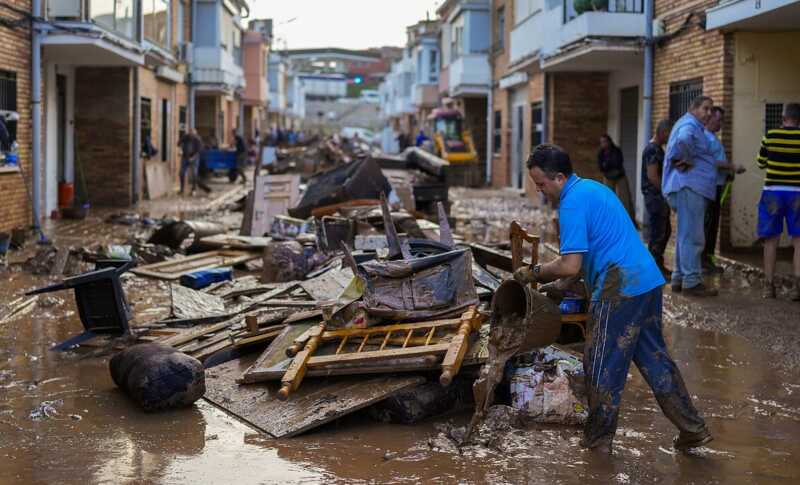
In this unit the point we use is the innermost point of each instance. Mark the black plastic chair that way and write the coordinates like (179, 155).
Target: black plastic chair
(101, 302)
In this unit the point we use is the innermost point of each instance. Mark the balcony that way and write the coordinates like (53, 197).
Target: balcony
(470, 74)
(426, 95)
(754, 15)
(214, 69)
(100, 30)
(608, 18)
(527, 39)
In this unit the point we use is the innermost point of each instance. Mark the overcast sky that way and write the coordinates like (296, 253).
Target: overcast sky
(352, 24)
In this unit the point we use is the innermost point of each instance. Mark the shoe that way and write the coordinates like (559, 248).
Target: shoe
(676, 287)
(700, 290)
(687, 441)
(794, 295)
(768, 291)
(601, 447)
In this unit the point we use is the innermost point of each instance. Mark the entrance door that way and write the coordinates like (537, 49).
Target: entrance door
(629, 134)
(61, 126)
(517, 133)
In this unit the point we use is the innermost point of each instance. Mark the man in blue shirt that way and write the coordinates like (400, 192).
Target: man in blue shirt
(598, 238)
(689, 183)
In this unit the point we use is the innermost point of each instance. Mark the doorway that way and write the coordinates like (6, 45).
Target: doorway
(629, 134)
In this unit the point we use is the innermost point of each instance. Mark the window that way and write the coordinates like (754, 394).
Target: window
(145, 125)
(500, 36)
(226, 29)
(179, 22)
(681, 95)
(164, 128)
(433, 67)
(8, 99)
(182, 121)
(420, 72)
(458, 42)
(498, 132)
(525, 8)
(116, 15)
(237, 46)
(773, 116)
(206, 15)
(537, 127)
(155, 14)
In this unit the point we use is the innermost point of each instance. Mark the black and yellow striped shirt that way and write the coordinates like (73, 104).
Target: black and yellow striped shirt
(780, 155)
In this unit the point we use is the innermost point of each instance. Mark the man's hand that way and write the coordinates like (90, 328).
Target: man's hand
(682, 165)
(525, 275)
(739, 169)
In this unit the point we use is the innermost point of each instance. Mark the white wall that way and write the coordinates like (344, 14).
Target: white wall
(51, 126)
(618, 80)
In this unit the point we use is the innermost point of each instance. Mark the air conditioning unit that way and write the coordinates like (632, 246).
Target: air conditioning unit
(64, 9)
(186, 52)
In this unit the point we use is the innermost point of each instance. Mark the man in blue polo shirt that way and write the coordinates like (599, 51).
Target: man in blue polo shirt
(598, 238)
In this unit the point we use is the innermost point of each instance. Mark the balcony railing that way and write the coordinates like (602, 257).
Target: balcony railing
(574, 8)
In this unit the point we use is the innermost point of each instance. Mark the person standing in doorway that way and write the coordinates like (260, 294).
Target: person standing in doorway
(659, 227)
(612, 164)
(725, 171)
(190, 146)
(689, 183)
(598, 239)
(780, 198)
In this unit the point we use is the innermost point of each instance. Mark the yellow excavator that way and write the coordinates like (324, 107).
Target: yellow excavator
(453, 143)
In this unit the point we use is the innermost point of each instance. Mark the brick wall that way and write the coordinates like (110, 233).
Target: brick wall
(578, 115)
(103, 133)
(15, 209)
(695, 53)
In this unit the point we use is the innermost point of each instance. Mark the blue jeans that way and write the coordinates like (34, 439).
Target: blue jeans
(626, 330)
(691, 239)
(186, 164)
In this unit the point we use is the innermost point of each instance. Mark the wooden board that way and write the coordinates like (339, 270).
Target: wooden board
(329, 285)
(273, 195)
(236, 242)
(175, 268)
(158, 179)
(316, 402)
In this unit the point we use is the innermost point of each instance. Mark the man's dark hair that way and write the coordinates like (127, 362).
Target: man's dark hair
(792, 111)
(551, 159)
(664, 125)
(718, 110)
(698, 101)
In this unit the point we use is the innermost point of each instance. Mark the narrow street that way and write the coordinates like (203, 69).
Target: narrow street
(744, 383)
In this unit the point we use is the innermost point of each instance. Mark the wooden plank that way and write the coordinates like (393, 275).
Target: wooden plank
(276, 352)
(332, 209)
(487, 256)
(378, 355)
(158, 179)
(316, 402)
(236, 241)
(174, 269)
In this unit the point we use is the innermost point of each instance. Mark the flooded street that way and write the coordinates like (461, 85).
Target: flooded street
(64, 421)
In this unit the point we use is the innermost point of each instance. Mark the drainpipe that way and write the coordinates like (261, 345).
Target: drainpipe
(192, 91)
(36, 116)
(545, 110)
(489, 133)
(136, 167)
(648, 70)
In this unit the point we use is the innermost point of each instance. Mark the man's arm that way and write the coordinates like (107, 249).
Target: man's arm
(652, 175)
(566, 266)
(763, 154)
(680, 153)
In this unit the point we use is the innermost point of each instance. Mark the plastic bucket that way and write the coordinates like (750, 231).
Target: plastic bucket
(66, 194)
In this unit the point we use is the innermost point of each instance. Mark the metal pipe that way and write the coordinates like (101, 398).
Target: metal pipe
(489, 134)
(192, 90)
(36, 115)
(545, 110)
(647, 87)
(136, 158)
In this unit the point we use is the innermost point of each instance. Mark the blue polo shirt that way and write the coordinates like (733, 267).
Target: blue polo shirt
(592, 221)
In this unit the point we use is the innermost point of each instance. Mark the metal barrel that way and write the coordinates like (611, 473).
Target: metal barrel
(539, 316)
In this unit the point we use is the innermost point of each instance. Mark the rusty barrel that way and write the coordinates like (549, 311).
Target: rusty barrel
(536, 314)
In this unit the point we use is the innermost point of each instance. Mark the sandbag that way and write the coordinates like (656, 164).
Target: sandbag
(158, 377)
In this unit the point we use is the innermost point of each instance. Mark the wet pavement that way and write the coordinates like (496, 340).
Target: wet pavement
(737, 355)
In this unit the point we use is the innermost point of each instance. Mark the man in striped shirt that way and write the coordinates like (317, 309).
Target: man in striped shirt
(780, 199)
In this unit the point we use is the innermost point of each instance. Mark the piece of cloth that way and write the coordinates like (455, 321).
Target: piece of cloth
(592, 221)
(691, 238)
(188, 164)
(718, 152)
(611, 163)
(780, 157)
(623, 191)
(625, 330)
(711, 223)
(688, 142)
(653, 155)
(776, 206)
(659, 227)
(5, 136)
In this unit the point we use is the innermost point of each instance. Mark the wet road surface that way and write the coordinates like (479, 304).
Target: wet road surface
(89, 432)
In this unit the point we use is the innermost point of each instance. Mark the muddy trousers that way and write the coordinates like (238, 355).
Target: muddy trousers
(625, 330)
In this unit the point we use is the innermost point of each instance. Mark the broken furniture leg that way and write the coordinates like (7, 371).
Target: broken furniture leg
(297, 369)
(470, 322)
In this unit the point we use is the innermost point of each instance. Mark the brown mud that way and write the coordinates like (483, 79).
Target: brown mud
(62, 420)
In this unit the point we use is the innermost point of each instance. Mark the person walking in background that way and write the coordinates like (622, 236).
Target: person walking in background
(780, 198)
(659, 227)
(190, 146)
(611, 163)
(725, 170)
(421, 139)
(241, 157)
(689, 183)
